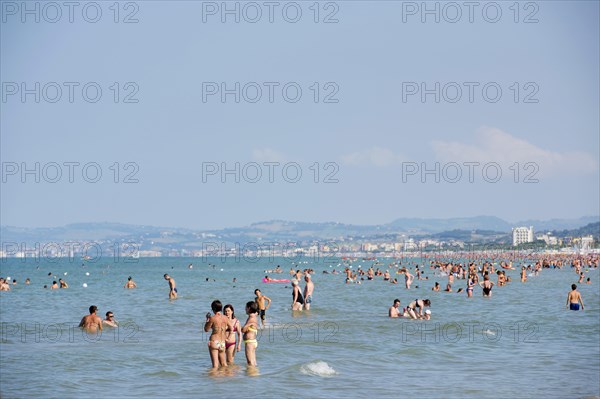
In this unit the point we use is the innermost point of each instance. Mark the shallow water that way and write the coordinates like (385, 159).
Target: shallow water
(519, 343)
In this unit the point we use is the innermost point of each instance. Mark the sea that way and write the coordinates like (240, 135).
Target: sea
(520, 343)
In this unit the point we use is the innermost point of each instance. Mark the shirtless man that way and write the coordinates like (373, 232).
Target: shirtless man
(262, 307)
(308, 291)
(130, 283)
(219, 323)
(4, 285)
(54, 285)
(394, 312)
(172, 289)
(91, 322)
(574, 299)
(110, 321)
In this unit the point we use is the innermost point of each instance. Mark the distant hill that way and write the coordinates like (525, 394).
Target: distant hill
(589, 229)
(472, 229)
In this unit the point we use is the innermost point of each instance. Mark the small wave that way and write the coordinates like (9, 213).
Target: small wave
(320, 369)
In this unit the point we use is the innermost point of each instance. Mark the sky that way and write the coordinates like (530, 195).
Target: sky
(209, 115)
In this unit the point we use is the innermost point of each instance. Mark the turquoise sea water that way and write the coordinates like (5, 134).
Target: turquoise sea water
(521, 343)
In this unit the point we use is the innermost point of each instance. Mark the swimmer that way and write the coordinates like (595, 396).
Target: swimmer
(4, 285)
(308, 291)
(574, 299)
(249, 330)
(172, 288)
(219, 324)
(91, 322)
(262, 307)
(420, 304)
(110, 321)
(427, 315)
(63, 283)
(436, 287)
(393, 311)
(233, 341)
(54, 285)
(487, 286)
(130, 283)
(297, 299)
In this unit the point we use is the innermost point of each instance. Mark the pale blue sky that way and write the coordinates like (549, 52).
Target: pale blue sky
(370, 133)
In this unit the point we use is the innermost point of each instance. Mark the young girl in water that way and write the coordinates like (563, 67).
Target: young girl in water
(250, 329)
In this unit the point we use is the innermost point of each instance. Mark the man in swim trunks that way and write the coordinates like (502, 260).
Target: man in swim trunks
(91, 322)
(308, 291)
(262, 307)
(574, 299)
(172, 288)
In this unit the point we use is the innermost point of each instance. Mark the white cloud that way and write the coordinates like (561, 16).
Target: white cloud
(376, 156)
(267, 155)
(495, 145)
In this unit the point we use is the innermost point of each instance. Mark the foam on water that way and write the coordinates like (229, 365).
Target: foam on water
(319, 369)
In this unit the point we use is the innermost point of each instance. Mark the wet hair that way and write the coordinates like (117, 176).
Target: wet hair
(129, 278)
(252, 307)
(228, 306)
(216, 306)
(573, 286)
(93, 308)
(396, 300)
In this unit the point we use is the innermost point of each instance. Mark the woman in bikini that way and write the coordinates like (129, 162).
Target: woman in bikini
(470, 285)
(220, 326)
(250, 329)
(417, 304)
(234, 335)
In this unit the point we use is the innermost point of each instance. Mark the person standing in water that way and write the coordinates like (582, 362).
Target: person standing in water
(574, 299)
(130, 283)
(249, 330)
(487, 286)
(308, 291)
(172, 287)
(220, 326)
(262, 306)
(91, 322)
(233, 341)
(297, 299)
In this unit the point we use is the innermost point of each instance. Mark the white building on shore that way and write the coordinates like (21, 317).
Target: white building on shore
(522, 235)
